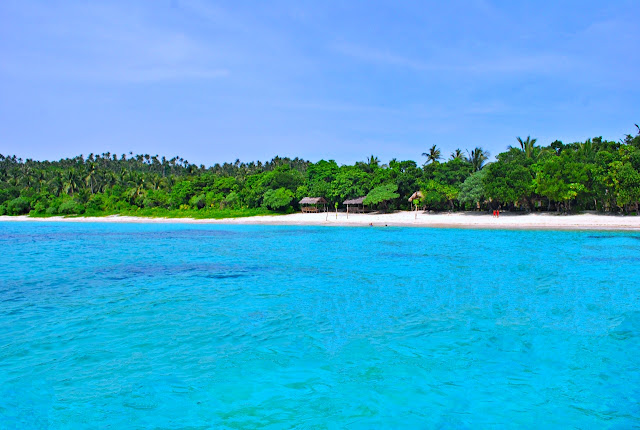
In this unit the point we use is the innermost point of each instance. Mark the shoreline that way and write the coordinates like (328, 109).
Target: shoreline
(465, 220)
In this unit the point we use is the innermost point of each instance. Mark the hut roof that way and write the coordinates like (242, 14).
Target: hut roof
(416, 195)
(357, 201)
(312, 201)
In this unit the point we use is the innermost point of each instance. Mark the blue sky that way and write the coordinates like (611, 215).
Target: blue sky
(215, 81)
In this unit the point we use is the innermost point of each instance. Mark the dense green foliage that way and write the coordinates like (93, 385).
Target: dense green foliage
(381, 195)
(593, 175)
(277, 199)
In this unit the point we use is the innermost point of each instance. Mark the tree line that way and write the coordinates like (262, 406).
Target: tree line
(597, 175)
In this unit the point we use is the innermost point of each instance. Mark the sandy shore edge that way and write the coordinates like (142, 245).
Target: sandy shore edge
(543, 221)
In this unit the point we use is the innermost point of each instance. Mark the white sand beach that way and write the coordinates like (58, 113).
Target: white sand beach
(541, 221)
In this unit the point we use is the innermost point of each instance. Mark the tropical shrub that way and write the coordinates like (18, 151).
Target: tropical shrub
(277, 199)
(18, 206)
(472, 192)
(71, 207)
(381, 195)
(232, 200)
(39, 208)
(197, 202)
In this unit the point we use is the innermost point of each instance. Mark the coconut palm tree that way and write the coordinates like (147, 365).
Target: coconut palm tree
(70, 181)
(40, 178)
(457, 155)
(586, 149)
(477, 157)
(123, 177)
(433, 155)
(138, 187)
(27, 180)
(527, 146)
(156, 182)
(90, 176)
(108, 180)
(56, 184)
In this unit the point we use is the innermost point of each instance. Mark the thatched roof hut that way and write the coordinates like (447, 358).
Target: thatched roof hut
(312, 201)
(416, 195)
(357, 205)
(311, 204)
(357, 201)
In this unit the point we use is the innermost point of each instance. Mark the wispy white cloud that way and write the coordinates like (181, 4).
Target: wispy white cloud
(421, 111)
(467, 63)
(109, 44)
(337, 78)
(213, 14)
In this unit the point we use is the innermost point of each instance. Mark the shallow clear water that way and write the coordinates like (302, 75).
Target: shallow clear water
(166, 326)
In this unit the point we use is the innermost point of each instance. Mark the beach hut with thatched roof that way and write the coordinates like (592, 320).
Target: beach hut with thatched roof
(415, 198)
(416, 195)
(313, 204)
(354, 205)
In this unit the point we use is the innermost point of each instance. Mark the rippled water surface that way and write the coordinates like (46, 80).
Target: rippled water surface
(182, 326)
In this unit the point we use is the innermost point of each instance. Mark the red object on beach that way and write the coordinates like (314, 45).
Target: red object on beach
(498, 213)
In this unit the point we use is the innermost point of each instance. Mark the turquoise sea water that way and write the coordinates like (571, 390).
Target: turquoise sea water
(183, 326)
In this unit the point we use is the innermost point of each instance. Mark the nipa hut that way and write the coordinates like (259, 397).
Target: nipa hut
(416, 195)
(313, 204)
(354, 205)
